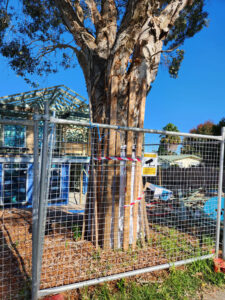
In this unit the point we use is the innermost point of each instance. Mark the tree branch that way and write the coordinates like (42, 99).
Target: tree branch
(128, 34)
(52, 48)
(107, 28)
(171, 12)
(79, 11)
(150, 41)
(7, 4)
(81, 35)
(166, 51)
(95, 14)
(132, 22)
(140, 38)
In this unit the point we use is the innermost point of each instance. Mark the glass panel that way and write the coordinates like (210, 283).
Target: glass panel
(14, 185)
(14, 135)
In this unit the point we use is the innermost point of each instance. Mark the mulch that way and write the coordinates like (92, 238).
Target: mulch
(65, 260)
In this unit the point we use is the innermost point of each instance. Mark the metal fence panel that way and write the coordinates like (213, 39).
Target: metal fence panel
(114, 222)
(16, 183)
(102, 202)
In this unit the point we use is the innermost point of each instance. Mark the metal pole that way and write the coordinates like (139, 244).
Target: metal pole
(51, 147)
(42, 196)
(17, 122)
(134, 129)
(220, 192)
(68, 287)
(221, 184)
(35, 203)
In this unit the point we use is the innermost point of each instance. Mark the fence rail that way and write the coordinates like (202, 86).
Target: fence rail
(135, 129)
(83, 203)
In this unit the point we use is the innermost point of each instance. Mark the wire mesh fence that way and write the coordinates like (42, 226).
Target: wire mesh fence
(103, 202)
(141, 203)
(16, 180)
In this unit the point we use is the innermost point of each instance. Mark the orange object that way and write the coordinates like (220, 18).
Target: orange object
(219, 265)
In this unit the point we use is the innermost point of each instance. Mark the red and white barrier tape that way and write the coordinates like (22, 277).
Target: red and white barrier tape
(120, 158)
(132, 203)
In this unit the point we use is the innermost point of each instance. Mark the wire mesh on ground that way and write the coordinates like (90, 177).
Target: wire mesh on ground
(114, 201)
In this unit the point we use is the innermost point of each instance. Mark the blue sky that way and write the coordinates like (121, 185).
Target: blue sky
(197, 95)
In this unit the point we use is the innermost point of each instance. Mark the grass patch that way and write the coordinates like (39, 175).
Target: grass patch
(77, 232)
(175, 244)
(178, 285)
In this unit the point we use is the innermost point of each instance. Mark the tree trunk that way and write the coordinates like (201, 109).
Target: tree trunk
(114, 215)
(120, 61)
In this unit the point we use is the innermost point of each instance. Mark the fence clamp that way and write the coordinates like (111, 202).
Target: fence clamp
(45, 117)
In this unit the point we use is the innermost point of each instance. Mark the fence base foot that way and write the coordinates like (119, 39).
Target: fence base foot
(219, 265)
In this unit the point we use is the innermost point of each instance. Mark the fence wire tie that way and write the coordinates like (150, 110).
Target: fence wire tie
(96, 126)
(99, 135)
(104, 135)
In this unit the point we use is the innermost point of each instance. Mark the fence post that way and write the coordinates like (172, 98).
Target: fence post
(220, 186)
(222, 167)
(42, 196)
(35, 203)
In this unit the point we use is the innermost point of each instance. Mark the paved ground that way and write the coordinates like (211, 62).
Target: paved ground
(217, 295)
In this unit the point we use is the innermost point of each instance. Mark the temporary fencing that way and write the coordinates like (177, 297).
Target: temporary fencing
(103, 202)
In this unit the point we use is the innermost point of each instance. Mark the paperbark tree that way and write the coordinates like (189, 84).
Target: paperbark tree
(119, 45)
